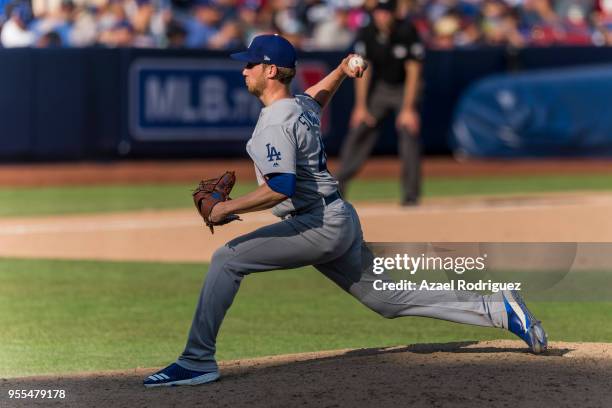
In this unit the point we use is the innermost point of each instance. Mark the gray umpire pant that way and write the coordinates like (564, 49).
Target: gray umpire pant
(383, 100)
(330, 238)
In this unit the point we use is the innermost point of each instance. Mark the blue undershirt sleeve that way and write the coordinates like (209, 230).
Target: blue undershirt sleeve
(283, 183)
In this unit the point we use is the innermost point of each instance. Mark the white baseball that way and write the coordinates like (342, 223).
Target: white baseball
(356, 62)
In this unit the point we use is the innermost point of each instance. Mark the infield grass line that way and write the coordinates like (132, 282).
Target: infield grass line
(137, 197)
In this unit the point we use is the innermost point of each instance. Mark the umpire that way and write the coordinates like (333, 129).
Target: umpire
(395, 53)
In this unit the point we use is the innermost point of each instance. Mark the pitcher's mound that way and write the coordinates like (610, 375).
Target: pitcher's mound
(466, 374)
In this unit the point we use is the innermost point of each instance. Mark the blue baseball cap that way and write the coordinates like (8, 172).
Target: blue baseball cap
(269, 49)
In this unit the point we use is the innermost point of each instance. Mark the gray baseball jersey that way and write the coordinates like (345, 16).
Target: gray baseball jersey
(287, 139)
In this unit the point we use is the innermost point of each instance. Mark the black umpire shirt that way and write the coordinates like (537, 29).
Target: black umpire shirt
(387, 54)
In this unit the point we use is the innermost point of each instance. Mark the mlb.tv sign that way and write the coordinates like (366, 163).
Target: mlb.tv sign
(182, 99)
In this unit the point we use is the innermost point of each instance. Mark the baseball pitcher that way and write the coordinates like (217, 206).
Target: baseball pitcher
(316, 226)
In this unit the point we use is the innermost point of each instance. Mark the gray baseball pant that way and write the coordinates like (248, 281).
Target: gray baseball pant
(360, 141)
(330, 238)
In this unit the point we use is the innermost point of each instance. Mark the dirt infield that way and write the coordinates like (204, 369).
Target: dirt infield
(468, 374)
(178, 235)
(188, 171)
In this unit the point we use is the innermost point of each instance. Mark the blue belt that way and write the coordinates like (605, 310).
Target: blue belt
(331, 198)
(326, 200)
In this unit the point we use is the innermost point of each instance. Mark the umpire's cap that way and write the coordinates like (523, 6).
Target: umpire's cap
(389, 5)
(269, 49)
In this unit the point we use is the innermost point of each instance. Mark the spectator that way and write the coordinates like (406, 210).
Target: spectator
(251, 21)
(577, 30)
(511, 23)
(568, 8)
(119, 35)
(84, 31)
(202, 25)
(286, 21)
(110, 14)
(333, 33)
(602, 21)
(176, 34)
(228, 9)
(542, 23)
(15, 32)
(500, 25)
(58, 21)
(469, 35)
(141, 16)
(229, 37)
(445, 29)
(49, 40)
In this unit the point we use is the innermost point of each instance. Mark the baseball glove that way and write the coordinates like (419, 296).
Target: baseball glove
(210, 193)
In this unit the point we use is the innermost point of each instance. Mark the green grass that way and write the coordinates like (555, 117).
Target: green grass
(91, 199)
(64, 316)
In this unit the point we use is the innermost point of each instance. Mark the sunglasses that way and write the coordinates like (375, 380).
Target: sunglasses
(254, 64)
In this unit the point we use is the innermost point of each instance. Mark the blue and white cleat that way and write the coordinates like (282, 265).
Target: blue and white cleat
(174, 374)
(523, 323)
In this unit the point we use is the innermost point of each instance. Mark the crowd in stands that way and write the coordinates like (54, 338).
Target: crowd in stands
(309, 24)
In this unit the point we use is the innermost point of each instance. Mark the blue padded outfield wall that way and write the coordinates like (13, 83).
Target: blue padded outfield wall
(59, 104)
(75, 104)
(563, 112)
